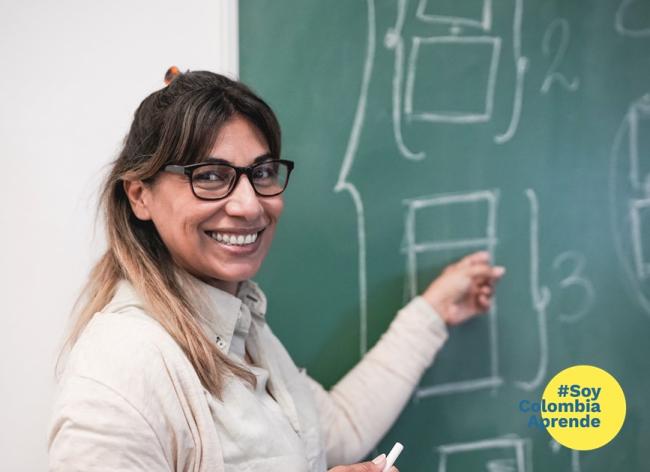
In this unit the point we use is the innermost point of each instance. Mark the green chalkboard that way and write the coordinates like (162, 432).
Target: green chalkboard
(423, 130)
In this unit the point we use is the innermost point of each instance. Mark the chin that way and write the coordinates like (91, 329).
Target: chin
(237, 274)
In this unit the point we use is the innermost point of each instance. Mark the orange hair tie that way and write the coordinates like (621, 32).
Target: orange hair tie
(171, 74)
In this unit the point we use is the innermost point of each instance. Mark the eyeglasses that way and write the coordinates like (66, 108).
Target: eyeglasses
(216, 180)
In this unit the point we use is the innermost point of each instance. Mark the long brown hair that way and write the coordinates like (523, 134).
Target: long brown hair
(177, 124)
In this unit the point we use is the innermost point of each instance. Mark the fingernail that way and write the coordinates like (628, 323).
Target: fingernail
(380, 459)
(499, 270)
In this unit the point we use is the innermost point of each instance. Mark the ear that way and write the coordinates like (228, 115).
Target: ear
(137, 193)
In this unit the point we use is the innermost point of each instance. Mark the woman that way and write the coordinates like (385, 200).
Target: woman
(172, 366)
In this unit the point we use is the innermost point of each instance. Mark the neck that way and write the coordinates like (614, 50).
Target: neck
(226, 286)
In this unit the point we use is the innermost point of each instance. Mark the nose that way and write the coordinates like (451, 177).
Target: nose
(243, 201)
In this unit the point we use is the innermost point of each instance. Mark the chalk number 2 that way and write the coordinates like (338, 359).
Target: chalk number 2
(558, 27)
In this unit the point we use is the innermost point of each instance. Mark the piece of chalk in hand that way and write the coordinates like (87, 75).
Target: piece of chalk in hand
(392, 456)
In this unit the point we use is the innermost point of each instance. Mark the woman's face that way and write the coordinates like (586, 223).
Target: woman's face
(189, 226)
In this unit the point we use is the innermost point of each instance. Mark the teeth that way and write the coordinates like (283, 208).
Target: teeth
(233, 239)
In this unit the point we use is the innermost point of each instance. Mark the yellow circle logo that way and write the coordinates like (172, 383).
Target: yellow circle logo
(583, 407)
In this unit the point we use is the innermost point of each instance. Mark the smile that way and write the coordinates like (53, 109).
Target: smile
(234, 239)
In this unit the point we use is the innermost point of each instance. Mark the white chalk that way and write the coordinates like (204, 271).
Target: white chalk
(392, 456)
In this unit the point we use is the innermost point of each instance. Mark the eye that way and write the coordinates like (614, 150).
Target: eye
(265, 171)
(212, 175)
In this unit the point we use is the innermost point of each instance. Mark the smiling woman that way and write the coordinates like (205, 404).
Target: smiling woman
(217, 228)
(171, 364)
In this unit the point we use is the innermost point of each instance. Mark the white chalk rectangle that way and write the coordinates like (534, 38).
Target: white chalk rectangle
(433, 83)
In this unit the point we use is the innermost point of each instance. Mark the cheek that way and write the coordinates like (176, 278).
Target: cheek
(179, 224)
(193, 221)
(274, 208)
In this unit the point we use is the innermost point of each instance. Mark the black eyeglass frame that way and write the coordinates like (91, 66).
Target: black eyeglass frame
(188, 170)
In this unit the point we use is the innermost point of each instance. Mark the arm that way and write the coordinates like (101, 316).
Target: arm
(361, 407)
(95, 429)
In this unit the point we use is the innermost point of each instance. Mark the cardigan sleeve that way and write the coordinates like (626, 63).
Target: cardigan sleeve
(360, 409)
(96, 429)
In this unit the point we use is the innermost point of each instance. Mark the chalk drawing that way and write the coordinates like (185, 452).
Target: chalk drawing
(619, 22)
(484, 23)
(629, 193)
(638, 113)
(555, 446)
(561, 26)
(452, 116)
(575, 279)
(541, 297)
(518, 447)
(575, 455)
(640, 209)
(343, 183)
(393, 40)
(488, 241)
(521, 64)
(575, 461)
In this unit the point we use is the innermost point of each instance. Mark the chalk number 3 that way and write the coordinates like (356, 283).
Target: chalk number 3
(576, 278)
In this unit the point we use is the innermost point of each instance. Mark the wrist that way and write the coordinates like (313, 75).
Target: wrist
(438, 305)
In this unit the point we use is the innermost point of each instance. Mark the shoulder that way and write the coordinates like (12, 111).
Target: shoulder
(125, 385)
(129, 336)
(124, 351)
(127, 350)
(128, 365)
(124, 328)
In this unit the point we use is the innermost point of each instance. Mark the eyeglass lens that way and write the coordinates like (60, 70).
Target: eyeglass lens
(215, 180)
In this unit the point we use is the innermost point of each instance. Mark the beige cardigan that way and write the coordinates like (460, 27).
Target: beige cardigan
(130, 400)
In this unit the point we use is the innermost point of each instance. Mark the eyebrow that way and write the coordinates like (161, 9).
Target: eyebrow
(218, 160)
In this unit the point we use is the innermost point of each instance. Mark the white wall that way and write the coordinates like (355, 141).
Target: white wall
(72, 74)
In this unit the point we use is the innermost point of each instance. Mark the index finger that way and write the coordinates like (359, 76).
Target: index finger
(486, 271)
(478, 257)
